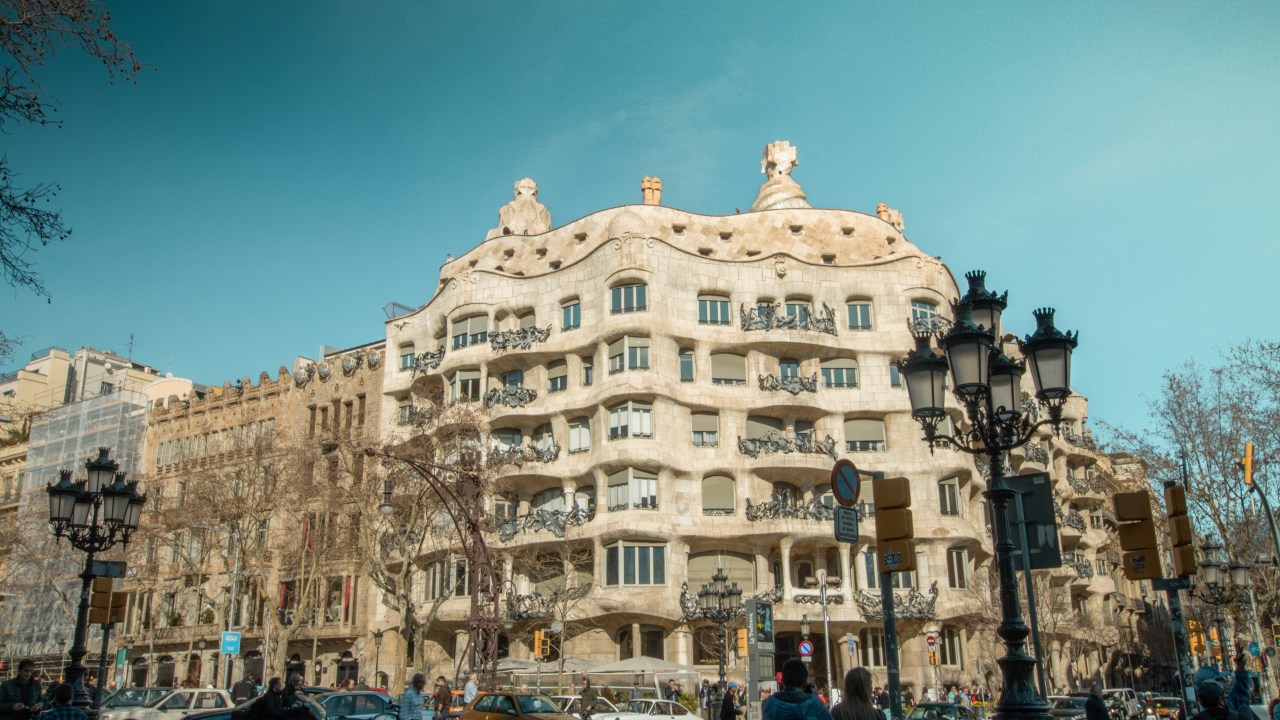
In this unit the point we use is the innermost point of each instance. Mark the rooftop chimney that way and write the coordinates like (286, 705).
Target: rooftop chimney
(652, 189)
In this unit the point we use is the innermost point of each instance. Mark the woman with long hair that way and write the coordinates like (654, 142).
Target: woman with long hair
(855, 703)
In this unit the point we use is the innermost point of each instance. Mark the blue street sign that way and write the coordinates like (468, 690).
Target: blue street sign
(1255, 649)
(230, 643)
(846, 524)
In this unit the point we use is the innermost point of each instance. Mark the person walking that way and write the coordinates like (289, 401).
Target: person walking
(855, 699)
(731, 706)
(272, 702)
(62, 708)
(1095, 708)
(793, 703)
(587, 700)
(244, 690)
(908, 698)
(20, 696)
(412, 700)
(470, 690)
(704, 699)
(443, 697)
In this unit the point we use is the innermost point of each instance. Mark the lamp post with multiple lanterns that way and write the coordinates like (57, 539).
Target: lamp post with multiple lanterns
(988, 386)
(718, 602)
(94, 515)
(1217, 592)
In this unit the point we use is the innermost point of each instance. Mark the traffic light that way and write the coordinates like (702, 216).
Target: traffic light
(541, 644)
(100, 601)
(933, 657)
(742, 642)
(1275, 634)
(1181, 538)
(894, 529)
(1246, 464)
(1137, 535)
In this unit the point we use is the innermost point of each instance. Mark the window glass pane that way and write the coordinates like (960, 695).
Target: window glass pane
(643, 565)
(859, 315)
(789, 368)
(686, 366)
(611, 566)
(659, 565)
(629, 565)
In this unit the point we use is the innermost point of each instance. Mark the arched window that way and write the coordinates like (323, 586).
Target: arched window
(628, 298)
(740, 568)
(706, 429)
(571, 314)
(713, 310)
(717, 495)
(472, 330)
(864, 435)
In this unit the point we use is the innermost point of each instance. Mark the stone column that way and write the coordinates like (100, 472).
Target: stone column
(784, 547)
(846, 564)
(635, 640)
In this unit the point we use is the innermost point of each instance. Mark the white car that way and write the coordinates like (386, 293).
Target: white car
(175, 704)
(569, 704)
(647, 710)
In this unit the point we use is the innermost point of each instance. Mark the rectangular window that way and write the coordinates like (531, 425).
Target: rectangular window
(789, 368)
(557, 376)
(873, 651)
(405, 416)
(515, 378)
(466, 385)
(640, 564)
(588, 369)
(631, 419)
(628, 353)
(706, 429)
(952, 648)
(799, 311)
(572, 315)
(859, 315)
(949, 497)
(406, 357)
(895, 376)
(628, 298)
(686, 366)
(579, 435)
(840, 377)
(470, 331)
(713, 310)
(921, 310)
(898, 580)
(958, 568)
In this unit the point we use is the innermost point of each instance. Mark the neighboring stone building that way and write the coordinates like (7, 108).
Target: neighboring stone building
(684, 383)
(216, 455)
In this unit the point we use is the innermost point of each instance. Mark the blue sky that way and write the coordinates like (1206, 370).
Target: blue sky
(282, 170)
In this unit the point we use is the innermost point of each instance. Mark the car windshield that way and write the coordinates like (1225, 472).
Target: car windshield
(1068, 702)
(926, 712)
(1166, 702)
(135, 697)
(536, 704)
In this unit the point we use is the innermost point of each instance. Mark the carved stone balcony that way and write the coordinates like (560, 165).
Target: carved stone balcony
(794, 384)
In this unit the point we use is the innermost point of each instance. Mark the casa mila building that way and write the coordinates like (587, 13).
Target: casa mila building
(677, 387)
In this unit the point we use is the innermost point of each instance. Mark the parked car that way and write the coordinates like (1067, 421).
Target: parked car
(1066, 706)
(570, 704)
(356, 704)
(646, 709)
(174, 704)
(507, 705)
(940, 711)
(317, 711)
(134, 697)
(1127, 698)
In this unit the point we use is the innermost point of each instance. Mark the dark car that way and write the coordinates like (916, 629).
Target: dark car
(1067, 706)
(940, 711)
(356, 704)
(507, 705)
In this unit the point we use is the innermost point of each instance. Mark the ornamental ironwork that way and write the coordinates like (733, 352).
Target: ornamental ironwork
(817, 599)
(794, 384)
(770, 317)
(1074, 520)
(1080, 440)
(1035, 452)
(510, 396)
(1084, 570)
(1030, 408)
(427, 361)
(518, 338)
(911, 605)
(534, 606)
(518, 455)
(553, 521)
(775, 442)
(1081, 485)
(782, 508)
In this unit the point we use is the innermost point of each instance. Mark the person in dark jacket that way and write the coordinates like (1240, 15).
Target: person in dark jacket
(1095, 708)
(20, 697)
(793, 703)
(1212, 697)
(271, 706)
(732, 703)
(244, 689)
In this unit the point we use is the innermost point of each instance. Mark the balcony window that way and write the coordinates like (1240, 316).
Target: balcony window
(788, 368)
(728, 369)
(717, 495)
(898, 580)
(706, 429)
(465, 385)
(557, 376)
(571, 315)
(958, 568)
(633, 488)
(472, 330)
(507, 438)
(407, 357)
(549, 500)
(864, 435)
(527, 320)
(515, 378)
(713, 310)
(628, 353)
(631, 419)
(759, 426)
(859, 314)
(579, 435)
(949, 497)
(823, 496)
(873, 647)
(405, 413)
(635, 564)
(628, 299)
(799, 310)
(839, 373)
(952, 647)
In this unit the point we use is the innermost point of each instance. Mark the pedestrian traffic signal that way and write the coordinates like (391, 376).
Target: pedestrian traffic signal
(1137, 535)
(541, 644)
(1181, 538)
(100, 601)
(742, 642)
(1246, 464)
(1275, 634)
(933, 657)
(894, 528)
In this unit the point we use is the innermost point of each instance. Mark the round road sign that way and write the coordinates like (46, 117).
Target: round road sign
(845, 484)
(931, 640)
(806, 648)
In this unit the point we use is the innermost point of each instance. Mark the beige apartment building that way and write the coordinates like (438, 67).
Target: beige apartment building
(680, 386)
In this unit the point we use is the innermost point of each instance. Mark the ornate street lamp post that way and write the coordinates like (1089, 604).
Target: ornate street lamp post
(717, 602)
(987, 384)
(1218, 592)
(377, 658)
(94, 515)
